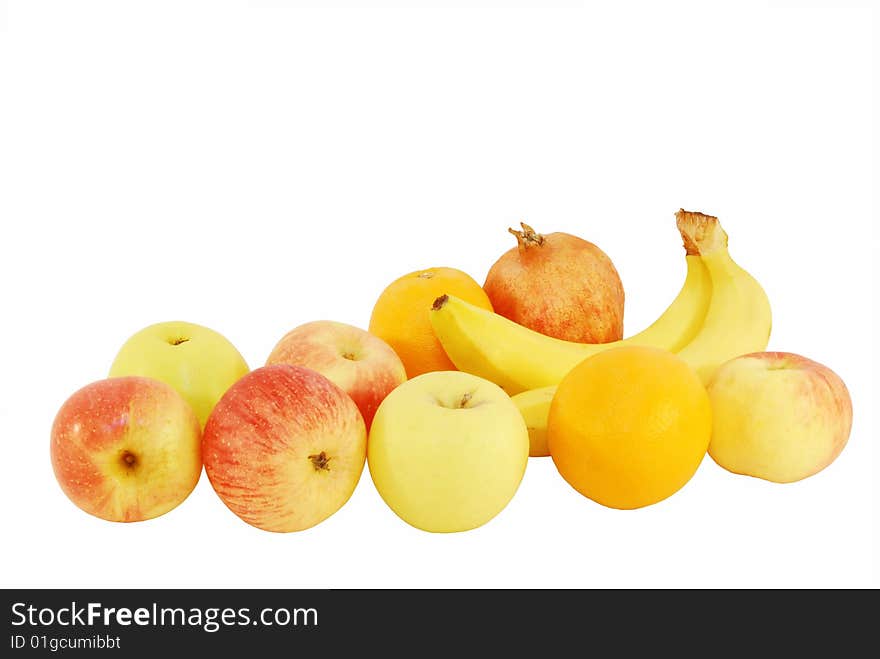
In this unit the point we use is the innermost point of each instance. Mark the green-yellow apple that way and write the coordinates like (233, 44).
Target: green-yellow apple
(284, 448)
(126, 449)
(363, 365)
(778, 416)
(198, 362)
(447, 451)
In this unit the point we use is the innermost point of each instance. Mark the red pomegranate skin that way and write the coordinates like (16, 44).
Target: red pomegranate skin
(559, 285)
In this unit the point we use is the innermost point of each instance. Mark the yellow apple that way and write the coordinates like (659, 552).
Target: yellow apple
(447, 451)
(198, 362)
(777, 416)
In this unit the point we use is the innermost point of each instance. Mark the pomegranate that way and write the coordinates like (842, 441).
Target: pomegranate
(559, 285)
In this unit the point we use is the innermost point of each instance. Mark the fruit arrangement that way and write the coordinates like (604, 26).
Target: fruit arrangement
(450, 391)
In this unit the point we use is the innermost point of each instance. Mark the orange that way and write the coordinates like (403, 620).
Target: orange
(401, 319)
(628, 427)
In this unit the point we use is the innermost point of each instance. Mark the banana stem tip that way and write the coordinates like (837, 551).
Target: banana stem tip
(700, 233)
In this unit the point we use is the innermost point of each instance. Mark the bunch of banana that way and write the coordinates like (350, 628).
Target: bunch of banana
(720, 312)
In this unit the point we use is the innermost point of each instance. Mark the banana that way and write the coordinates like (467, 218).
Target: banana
(534, 405)
(519, 359)
(738, 320)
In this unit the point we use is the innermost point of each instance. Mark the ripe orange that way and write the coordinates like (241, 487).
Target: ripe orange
(629, 426)
(400, 316)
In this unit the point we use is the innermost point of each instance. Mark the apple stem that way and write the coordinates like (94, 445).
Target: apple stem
(465, 400)
(320, 461)
(526, 238)
(128, 458)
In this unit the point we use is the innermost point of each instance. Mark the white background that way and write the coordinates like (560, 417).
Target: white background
(252, 166)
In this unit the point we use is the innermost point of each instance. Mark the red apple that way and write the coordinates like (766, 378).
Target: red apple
(363, 365)
(126, 449)
(284, 448)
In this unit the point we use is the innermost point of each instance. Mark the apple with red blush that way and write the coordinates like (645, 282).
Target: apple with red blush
(284, 448)
(363, 365)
